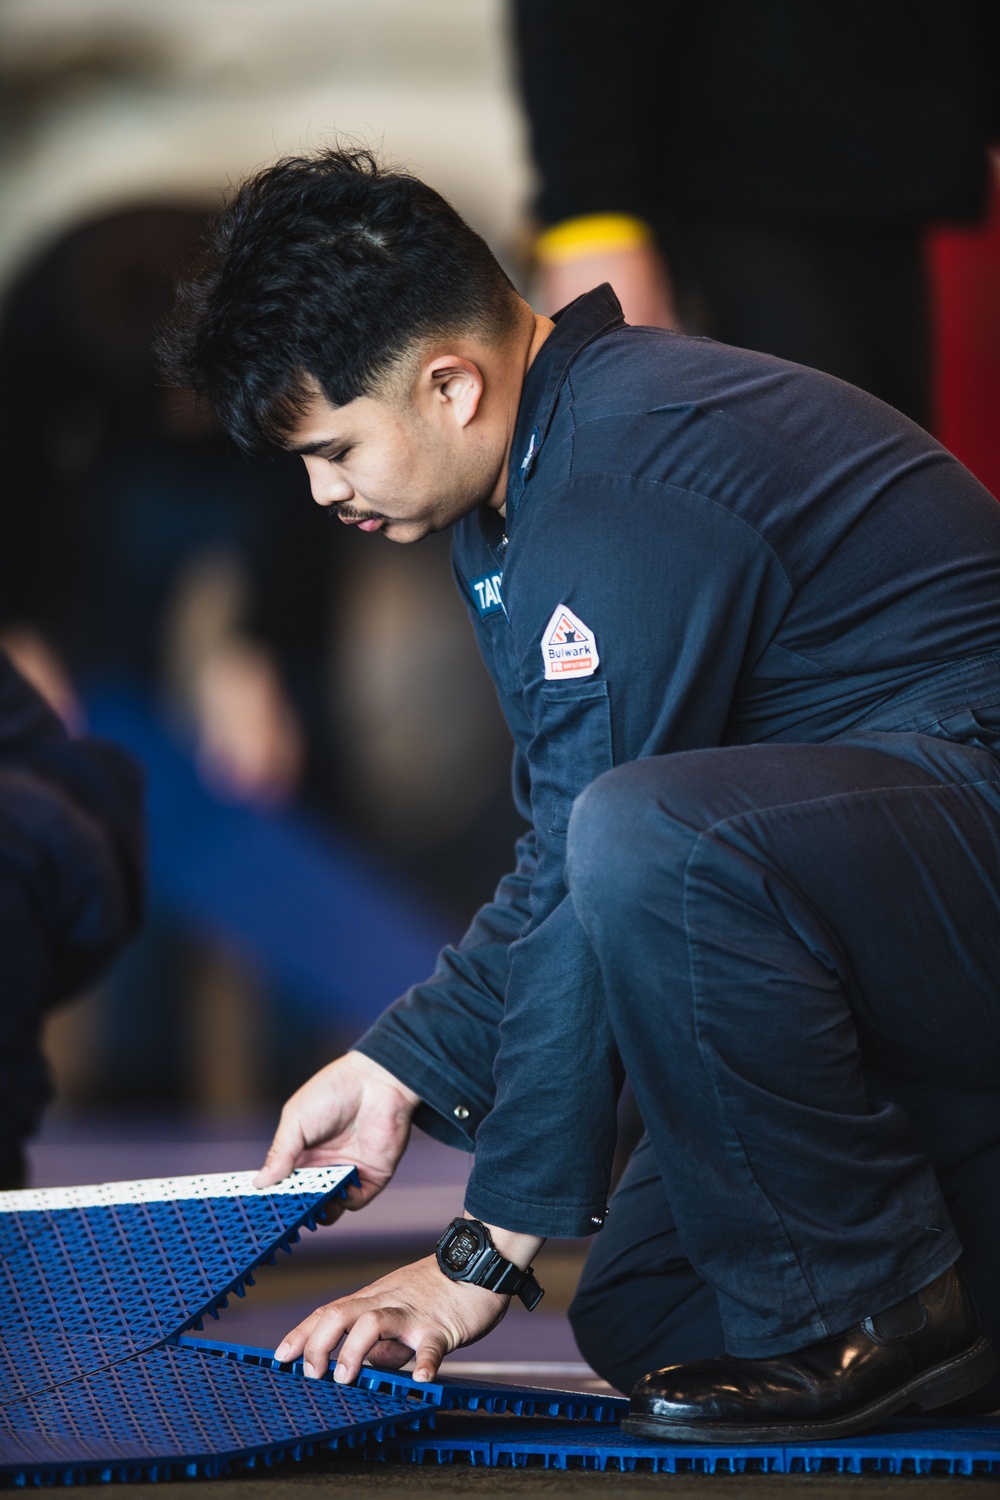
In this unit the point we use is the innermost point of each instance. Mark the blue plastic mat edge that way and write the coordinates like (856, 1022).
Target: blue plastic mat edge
(268, 1257)
(952, 1446)
(212, 1466)
(375, 1427)
(427, 1393)
(454, 1394)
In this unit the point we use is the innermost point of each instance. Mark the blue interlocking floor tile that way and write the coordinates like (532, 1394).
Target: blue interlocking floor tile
(178, 1410)
(586, 1446)
(403, 1387)
(511, 1442)
(449, 1393)
(909, 1445)
(913, 1446)
(462, 1394)
(90, 1275)
(97, 1285)
(448, 1440)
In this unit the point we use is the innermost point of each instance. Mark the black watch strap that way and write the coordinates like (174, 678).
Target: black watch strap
(485, 1267)
(510, 1281)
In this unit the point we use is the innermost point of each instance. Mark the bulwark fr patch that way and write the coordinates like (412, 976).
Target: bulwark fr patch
(569, 647)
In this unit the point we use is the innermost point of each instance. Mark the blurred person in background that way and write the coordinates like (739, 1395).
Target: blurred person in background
(144, 557)
(71, 862)
(150, 556)
(762, 171)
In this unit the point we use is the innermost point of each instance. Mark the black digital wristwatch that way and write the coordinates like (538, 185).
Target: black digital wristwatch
(465, 1252)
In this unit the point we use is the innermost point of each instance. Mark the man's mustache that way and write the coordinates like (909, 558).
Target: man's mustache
(344, 509)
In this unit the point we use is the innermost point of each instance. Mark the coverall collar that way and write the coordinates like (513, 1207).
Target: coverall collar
(577, 325)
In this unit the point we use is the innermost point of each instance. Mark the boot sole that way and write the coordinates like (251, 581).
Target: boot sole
(937, 1386)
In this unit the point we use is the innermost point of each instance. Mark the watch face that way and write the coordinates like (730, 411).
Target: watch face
(461, 1249)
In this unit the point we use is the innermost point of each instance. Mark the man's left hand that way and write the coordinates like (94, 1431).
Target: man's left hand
(413, 1311)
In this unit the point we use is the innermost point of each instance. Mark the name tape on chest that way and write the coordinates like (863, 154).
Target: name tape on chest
(486, 596)
(569, 647)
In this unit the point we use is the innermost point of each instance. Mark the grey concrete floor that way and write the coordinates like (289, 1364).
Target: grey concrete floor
(351, 1476)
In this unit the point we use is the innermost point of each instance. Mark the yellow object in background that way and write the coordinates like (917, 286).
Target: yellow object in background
(590, 234)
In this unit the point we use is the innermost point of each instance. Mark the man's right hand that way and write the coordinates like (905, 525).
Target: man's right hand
(351, 1111)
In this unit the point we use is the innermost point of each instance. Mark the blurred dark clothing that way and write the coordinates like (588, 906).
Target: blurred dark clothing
(765, 111)
(71, 863)
(787, 156)
(851, 301)
(115, 484)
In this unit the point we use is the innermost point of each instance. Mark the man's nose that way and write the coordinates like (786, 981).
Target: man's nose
(328, 486)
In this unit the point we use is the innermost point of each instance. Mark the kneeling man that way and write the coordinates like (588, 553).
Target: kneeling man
(744, 621)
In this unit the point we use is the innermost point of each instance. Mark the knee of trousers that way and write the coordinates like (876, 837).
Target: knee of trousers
(590, 1319)
(631, 829)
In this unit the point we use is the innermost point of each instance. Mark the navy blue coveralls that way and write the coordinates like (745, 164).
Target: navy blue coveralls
(745, 628)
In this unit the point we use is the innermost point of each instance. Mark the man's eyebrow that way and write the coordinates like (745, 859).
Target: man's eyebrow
(321, 446)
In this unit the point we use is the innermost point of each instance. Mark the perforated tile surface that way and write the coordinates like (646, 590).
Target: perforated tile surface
(90, 1275)
(181, 1409)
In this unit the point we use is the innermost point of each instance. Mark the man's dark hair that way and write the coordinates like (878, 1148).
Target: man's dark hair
(331, 267)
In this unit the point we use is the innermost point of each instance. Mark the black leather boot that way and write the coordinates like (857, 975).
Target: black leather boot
(924, 1352)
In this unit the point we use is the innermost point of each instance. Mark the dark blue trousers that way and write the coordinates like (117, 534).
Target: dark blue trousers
(800, 947)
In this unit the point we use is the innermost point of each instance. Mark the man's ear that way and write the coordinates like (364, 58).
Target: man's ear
(453, 386)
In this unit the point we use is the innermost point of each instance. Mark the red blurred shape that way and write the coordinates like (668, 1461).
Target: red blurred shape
(965, 279)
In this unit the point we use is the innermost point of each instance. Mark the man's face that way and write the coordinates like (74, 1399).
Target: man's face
(405, 464)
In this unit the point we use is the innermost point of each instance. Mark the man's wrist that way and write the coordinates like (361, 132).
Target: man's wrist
(467, 1253)
(378, 1075)
(513, 1246)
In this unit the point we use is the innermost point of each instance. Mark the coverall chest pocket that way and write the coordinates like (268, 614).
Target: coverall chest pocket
(573, 747)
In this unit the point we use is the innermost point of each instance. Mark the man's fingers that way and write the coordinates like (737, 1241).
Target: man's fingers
(275, 1169)
(358, 1197)
(331, 1323)
(372, 1327)
(431, 1351)
(390, 1354)
(286, 1148)
(331, 1211)
(295, 1342)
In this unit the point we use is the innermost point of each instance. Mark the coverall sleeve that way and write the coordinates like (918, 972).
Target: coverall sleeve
(441, 1037)
(679, 596)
